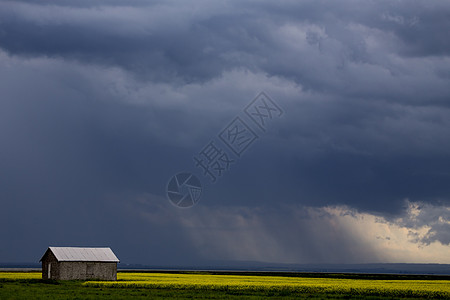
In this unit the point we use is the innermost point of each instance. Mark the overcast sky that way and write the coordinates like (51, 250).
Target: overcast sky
(102, 102)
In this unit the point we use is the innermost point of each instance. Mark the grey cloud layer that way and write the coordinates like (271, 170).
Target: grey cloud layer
(197, 41)
(112, 98)
(435, 218)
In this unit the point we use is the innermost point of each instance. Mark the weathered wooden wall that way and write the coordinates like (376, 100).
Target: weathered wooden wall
(54, 268)
(87, 270)
(74, 270)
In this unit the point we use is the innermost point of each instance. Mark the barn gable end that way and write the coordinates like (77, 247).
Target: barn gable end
(74, 263)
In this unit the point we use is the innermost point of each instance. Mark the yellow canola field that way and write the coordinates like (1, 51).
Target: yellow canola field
(248, 283)
(439, 288)
(20, 275)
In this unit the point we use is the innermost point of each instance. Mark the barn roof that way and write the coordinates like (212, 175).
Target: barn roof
(82, 254)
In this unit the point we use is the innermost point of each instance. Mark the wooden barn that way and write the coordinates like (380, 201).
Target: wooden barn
(68, 263)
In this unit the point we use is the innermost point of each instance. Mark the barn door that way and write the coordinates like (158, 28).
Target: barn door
(49, 271)
(90, 270)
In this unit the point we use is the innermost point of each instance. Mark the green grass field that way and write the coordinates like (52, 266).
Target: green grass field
(185, 285)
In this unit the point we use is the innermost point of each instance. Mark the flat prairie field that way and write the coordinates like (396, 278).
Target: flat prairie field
(188, 285)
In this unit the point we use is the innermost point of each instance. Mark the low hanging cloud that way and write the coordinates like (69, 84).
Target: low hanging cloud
(434, 220)
(298, 234)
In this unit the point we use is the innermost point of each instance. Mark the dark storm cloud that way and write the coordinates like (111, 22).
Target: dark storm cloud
(101, 102)
(197, 44)
(67, 146)
(160, 41)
